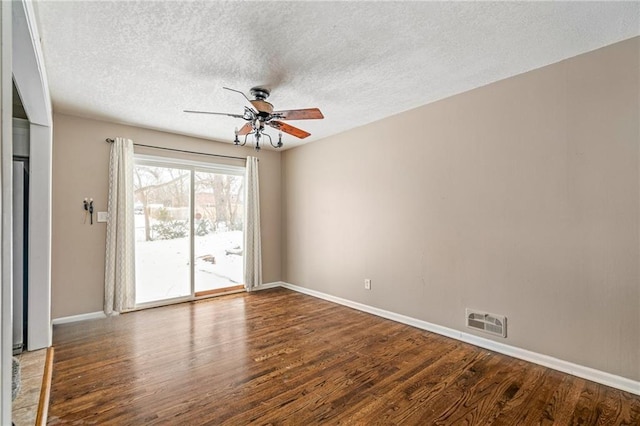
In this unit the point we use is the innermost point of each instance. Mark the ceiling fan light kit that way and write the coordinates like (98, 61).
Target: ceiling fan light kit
(257, 136)
(262, 112)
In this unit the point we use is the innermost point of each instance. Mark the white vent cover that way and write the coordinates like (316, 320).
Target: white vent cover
(489, 323)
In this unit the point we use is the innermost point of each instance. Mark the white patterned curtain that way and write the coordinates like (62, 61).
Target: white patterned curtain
(252, 244)
(119, 273)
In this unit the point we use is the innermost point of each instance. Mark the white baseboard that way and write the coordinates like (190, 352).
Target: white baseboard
(588, 373)
(76, 318)
(266, 286)
(100, 314)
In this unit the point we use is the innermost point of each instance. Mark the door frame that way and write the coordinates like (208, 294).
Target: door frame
(192, 166)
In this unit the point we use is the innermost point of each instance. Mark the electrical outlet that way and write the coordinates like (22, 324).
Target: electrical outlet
(367, 284)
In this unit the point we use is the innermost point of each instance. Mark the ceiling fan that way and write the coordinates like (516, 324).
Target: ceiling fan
(261, 113)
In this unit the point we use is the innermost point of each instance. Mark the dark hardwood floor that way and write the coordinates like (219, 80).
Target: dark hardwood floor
(279, 357)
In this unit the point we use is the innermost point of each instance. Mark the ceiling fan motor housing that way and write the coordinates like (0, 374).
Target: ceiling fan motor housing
(260, 93)
(260, 103)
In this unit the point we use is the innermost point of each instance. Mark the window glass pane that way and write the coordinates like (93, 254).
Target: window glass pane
(162, 224)
(218, 228)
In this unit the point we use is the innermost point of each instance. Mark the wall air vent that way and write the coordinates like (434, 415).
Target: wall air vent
(489, 323)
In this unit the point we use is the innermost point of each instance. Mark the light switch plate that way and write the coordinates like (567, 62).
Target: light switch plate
(103, 216)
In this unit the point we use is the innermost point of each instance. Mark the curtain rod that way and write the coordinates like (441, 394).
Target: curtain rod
(182, 150)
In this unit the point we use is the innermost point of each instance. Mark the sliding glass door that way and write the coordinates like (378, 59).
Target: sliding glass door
(189, 229)
(162, 224)
(218, 231)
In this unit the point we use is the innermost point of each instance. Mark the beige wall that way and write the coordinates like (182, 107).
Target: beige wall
(80, 169)
(519, 198)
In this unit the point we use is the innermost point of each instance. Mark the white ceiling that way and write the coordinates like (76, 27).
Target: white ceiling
(142, 63)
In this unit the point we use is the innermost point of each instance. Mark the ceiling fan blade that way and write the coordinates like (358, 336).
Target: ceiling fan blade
(237, 91)
(284, 127)
(245, 130)
(262, 106)
(215, 113)
(249, 101)
(299, 114)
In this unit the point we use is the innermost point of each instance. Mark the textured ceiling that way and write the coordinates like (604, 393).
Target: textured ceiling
(142, 63)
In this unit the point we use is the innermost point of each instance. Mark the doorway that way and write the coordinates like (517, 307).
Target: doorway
(218, 237)
(20, 248)
(189, 229)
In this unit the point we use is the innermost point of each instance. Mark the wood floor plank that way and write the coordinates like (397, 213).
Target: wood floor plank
(280, 357)
(528, 393)
(459, 400)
